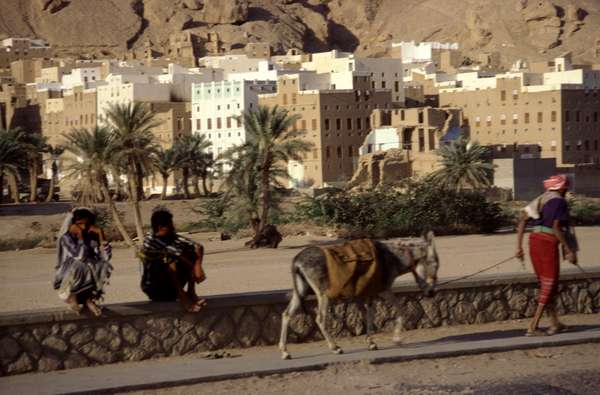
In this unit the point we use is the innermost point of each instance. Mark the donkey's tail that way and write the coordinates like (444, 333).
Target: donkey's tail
(297, 293)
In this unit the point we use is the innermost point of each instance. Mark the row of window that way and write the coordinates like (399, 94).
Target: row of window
(591, 117)
(83, 120)
(219, 123)
(358, 123)
(338, 150)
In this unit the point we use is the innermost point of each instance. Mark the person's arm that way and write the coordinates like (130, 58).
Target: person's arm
(569, 255)
(105, 247)
(184, 299)
(523, 217)
(77, 249)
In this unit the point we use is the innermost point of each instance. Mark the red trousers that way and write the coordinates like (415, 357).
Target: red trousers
(543, 250)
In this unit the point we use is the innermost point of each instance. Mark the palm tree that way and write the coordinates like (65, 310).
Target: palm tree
(165, 162)
(464, 164)
(34, 144)
(132, 124)
(11, 153)
(92, 153)
(55, 152)
(192, 157)
(271, 143)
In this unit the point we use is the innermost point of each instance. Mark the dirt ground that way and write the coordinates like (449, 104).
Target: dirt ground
(557, 370)
(25, 276)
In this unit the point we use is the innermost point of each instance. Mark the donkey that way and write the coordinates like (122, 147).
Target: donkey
(397, 257)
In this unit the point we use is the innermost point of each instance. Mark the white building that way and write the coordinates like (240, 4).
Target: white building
(381, 139)
(130, 88)
(385, 73)
(412, 52)
(231, 63)
(216, 110)
(88, 77)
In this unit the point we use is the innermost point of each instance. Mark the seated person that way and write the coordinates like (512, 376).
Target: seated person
(83, 266)
(170, 263)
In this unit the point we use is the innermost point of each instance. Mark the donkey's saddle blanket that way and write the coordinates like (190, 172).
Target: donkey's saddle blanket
(353, 269)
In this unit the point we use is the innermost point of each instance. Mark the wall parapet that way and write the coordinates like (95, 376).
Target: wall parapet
(54, 339)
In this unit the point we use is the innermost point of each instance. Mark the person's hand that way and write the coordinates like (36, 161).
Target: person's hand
(519, 254)
(76, 230)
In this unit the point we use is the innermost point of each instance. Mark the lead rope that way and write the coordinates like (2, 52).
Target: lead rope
(478, 272)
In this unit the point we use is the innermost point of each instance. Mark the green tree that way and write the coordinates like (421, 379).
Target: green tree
(54, 151)
(132, 124)
(193, 160)
(165, 162)
(92, 153)
(464, 165)
(34, 145)
(262, 161)
(11, 154)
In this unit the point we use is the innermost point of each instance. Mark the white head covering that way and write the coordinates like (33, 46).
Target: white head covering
(68, 221)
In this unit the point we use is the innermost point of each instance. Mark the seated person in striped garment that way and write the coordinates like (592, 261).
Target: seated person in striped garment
(170, 263)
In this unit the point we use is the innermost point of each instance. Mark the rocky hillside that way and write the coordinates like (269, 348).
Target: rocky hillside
(534, 29)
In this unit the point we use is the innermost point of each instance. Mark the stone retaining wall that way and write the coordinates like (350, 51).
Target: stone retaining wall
(56, 339)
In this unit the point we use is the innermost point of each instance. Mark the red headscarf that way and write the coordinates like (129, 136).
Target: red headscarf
(556, 183)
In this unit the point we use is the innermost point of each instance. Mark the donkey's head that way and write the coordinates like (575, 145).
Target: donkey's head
(422, 259)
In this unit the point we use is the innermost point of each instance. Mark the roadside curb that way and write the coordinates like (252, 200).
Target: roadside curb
(191, 369)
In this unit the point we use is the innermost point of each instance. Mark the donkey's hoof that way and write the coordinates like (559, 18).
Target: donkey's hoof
(373, 347)
(286, 355)
(338, 351)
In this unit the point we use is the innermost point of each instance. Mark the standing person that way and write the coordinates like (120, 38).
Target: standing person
(83, 266)
(550, 216)
(170, 263)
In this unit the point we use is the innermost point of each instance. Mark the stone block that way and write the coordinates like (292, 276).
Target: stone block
(9, 349)
(55, 344)
(248, 329)
(271, 328)
(187, 343)
(355, 319)
(463, 313)
(48, 363)
(82, 337)
(98, 353)
(30, 345)
(130, 334)
(22, 364)
(518, 303)
(222, 333)
(75, 360)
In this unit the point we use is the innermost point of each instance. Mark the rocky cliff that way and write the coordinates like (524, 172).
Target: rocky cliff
(533, 29)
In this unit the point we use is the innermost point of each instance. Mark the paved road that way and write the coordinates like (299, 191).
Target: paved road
(193, 369)
(25, 276)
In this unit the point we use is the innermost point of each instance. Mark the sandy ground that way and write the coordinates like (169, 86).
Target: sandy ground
(558, 370)
(25, 276)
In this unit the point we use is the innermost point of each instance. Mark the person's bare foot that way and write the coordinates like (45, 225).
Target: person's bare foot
(73, 305)
(557, 328)
(93, 307)
(192, 304)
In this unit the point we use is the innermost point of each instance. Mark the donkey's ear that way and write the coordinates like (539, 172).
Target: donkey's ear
(429, 237)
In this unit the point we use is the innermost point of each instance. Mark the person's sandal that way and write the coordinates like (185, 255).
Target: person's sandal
(535, 333)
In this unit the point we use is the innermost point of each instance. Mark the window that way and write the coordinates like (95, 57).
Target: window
(553, 116)
(338, 123)
(313, 124)
(577, 116)
(595, 116)
(293, 98)
(402, 115)
(586, 144)
(326, 124)
(303, 123)
(339, 151)
(327, 152)
(526, 117)
(421, 140)
(350, 153)
(382, 84)
(503, 119)
(349, 123)
(431, 139)
(488, 120)
(228, 122)
(284, 97)
(396, 86)
(315, 154)
(420, 117)
(567, 116)
(477, 121)
(515, 119)
(358, 123)
(209, 124)
(567, 146)
(503, 95)
(368, 122)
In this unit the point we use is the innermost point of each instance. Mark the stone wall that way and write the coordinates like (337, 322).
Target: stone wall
(56, 339)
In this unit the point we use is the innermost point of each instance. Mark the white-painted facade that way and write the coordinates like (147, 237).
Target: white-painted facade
(413, 52)
(385, 73)
(217, 107)
(381, 139)
(231, 63)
